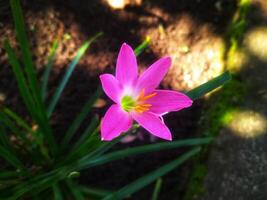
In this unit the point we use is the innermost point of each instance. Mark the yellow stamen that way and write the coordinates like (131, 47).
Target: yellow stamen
(142, 96)
(141, 106)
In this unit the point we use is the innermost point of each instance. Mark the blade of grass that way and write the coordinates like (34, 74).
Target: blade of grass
(78, 120)
(99, 160)
(152, 176)
(68, 73)
(209, 86)
(138, 50)
(157, 188)
(48, 69)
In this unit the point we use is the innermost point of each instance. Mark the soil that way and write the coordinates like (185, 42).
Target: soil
(190, 31)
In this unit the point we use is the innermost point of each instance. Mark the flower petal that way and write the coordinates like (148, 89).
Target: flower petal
(152, 77)
(167, 101)
(111, 87)
(115, 122)
(126, 67)
(153, 124)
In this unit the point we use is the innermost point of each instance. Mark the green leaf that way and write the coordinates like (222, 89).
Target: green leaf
(93, 192)
(86, 135)
(24, 90)
(38, 183)
(99, 160)
(209, 86)
(86, 143)
(138, 50)
(79, 119)
(24, 45)
(17, 119)
(57, 192)
(37, 105)
(68, 73)
(76, 193)
(157, 188)
(48, 69)
(138, 184)
(11, 159)
(8, 174)
(15, 130)
(4, 140)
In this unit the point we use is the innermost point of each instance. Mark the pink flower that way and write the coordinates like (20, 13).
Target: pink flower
(136, 97)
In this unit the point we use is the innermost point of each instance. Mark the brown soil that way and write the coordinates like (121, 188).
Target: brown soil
(191, 31)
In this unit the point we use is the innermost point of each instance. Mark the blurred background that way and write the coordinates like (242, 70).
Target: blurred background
(204, 38)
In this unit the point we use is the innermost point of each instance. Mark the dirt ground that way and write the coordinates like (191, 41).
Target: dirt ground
(192, 32)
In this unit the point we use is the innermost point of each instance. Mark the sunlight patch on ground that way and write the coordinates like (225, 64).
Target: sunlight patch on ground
(237, 60)
(2, 97)
(120, 4)
(256, 42)
(248, 124)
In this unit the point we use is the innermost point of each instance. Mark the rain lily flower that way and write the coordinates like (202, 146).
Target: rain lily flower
(136, 98)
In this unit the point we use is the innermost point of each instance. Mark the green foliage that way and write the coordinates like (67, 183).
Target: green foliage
(38, 167)
(157, 188)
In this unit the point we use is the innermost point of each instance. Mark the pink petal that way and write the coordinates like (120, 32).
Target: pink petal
(126, 67)
(167, 101)
(115, 122)
(152, 77)
(153, 124)
(111, 87)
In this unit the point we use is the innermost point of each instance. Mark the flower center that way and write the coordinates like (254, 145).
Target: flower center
(128, 103)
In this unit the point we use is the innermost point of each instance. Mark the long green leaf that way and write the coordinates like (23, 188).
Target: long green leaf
(209, 86)
(48, 69)
(10, 158)
(76, 193)
(138, 50)
(85, 143)
(152, 176)
(38, 183)
(68, 73)
(91, 162)
(30, 72)
(83, 140)
(93, 192)
(27, 97)
(4, 140)
(8, 174)
(16, 131)
(57, 192)
(24, 45)
(17, 119)
(157, 188)
(79, 119)
(24, 90)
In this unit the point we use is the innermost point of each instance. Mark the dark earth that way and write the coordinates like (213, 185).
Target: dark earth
(187, 30)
